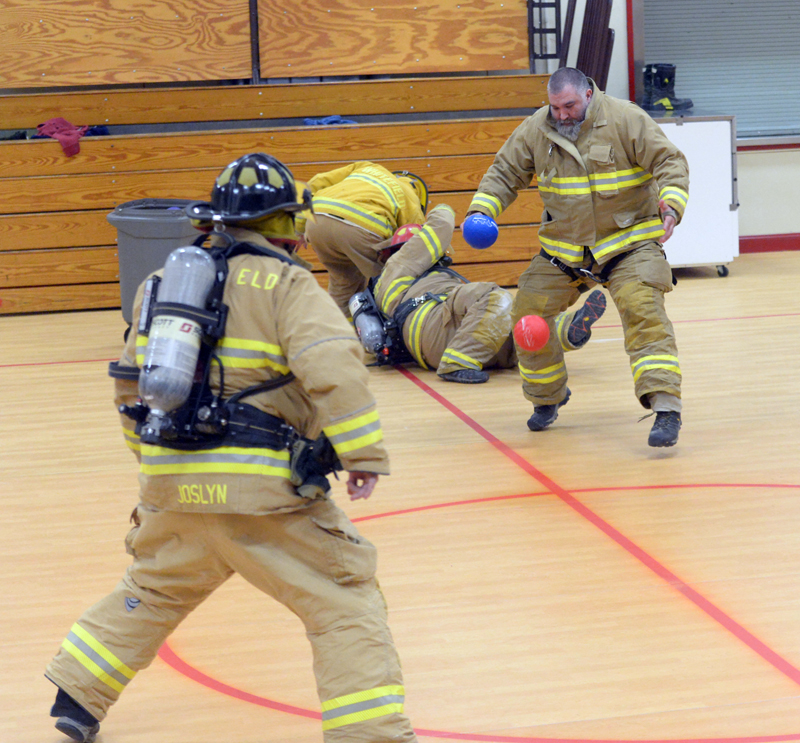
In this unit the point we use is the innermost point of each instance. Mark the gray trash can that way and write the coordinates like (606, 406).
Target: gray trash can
(148, 230)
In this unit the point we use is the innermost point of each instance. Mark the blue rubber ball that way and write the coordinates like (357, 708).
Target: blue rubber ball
(479, 231)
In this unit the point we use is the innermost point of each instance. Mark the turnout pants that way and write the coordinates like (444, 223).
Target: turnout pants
(468, 330)
(637, 285)
(349, 253)
(312, 560)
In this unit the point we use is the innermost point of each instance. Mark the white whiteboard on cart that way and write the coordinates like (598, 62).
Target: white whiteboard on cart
(709, 231)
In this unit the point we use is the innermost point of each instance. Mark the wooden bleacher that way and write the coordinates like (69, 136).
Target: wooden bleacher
(58, 252)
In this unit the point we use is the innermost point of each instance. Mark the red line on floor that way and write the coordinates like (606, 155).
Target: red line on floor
(170, 657)
(646, 559)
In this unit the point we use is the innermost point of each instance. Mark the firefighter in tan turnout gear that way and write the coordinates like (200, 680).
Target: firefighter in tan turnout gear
(613, 188)
(446, 323)
(358, 207)
(239, 486)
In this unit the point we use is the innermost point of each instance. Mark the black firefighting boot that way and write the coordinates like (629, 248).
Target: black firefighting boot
(665, 428)
(659, 89)
(544, 415)
(593, 308)
(466, 376)
(73, 720)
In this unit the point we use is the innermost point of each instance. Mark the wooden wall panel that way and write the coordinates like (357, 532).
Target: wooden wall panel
(55, 230)
(65, 298)
(363, 37)
(53, 267)
(86, 229)
(49, 43)
(292, 145)
(255, 102)
(107, 190)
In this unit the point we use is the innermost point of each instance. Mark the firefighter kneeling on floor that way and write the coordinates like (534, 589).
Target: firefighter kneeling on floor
(277, 401)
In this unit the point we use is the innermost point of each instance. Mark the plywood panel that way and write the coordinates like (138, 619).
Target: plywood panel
(49, 44)
(256, 102)
(353, 37)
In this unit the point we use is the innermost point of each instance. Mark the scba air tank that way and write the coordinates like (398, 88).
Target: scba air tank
(367, 320)
(173, 346)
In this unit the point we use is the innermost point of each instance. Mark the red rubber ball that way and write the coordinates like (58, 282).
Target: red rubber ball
(531, 333)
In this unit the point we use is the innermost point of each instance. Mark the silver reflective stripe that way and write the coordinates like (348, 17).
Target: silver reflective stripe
(229, 354)
(273, 459)
(350, 709)
(355, 433)
(98, 659)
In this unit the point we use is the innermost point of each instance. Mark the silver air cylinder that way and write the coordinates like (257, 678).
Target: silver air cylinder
(369, 326)
(173, 346)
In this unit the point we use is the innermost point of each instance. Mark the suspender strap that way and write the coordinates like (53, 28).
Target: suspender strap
(117, 371)
(406, 308)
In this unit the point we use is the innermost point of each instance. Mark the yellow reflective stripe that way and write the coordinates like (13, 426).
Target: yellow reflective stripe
(131, 439)
(362, 706)
(648, 363)
(103, 652)
(363, 716)
(397, 287)
(562, 330)
(353, 213)
(90, 665)
(157, 460)
(96, 658)
(571, 187)
(245, 353)
(674, 194)
(387, 192)
(206, 468)
(360, 442)
(486, 201)
(415, 333)
(432, 242)
(568, 252)
(543, 376)
(352, 424)
(652, 229)
(460, 358)
(597, 182)
(355, 433)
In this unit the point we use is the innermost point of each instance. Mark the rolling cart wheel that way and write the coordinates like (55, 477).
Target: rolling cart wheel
(722, 271)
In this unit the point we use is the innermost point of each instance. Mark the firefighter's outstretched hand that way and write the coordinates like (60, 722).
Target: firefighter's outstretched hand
(668, 218)
(361, 484)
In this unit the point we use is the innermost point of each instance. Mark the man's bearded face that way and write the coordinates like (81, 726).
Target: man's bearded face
(568, 110)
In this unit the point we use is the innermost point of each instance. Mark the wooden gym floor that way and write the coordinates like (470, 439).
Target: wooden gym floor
(569, 585)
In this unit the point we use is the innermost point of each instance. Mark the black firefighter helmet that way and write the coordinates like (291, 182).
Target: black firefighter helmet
(250, 188)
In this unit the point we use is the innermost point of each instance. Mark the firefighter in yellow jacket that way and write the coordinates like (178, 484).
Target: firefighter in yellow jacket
(358, 207)
(447, 323)
(613, 188)
(289, 402)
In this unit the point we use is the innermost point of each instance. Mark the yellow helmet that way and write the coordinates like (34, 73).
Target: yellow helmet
(419, 186)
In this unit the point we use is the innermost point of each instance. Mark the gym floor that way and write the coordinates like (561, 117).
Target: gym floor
(568, 585)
